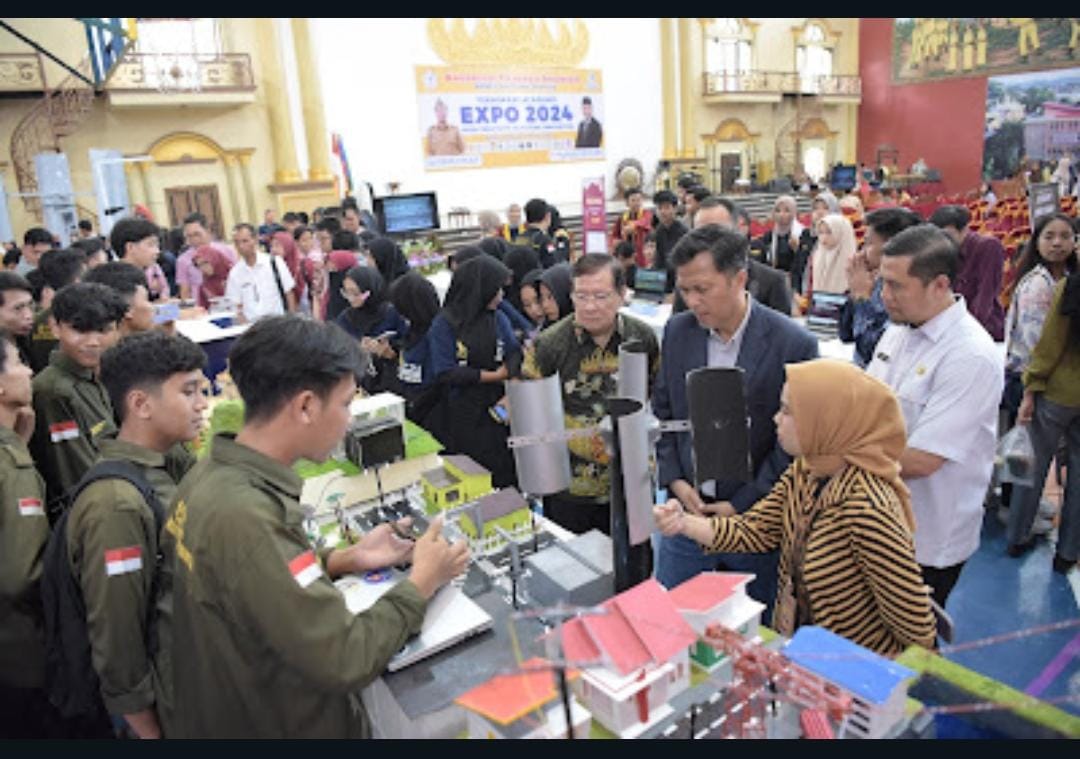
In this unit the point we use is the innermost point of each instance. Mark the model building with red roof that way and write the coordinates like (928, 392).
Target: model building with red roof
(524, 704)
(716, 597)
(634, 658)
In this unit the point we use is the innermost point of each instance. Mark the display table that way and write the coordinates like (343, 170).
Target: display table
(215, 333)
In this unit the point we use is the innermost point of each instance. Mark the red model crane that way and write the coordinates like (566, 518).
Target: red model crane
(754, 668)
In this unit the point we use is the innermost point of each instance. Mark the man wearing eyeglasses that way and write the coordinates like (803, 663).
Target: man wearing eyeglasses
(584, 349)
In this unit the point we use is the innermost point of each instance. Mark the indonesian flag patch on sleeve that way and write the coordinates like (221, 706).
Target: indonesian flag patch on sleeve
(120, 561)
(68, 430)
(305, 569)
(31, 507)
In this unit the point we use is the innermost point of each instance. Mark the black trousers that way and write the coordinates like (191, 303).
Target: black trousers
(941, 581)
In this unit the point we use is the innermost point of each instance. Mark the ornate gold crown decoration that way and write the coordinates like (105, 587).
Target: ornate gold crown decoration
(513, 41)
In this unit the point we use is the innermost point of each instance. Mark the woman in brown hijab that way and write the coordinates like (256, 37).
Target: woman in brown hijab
(840, 514)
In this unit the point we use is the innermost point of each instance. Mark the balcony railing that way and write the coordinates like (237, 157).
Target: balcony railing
(780, 82)
(152, 72)
(21, 72)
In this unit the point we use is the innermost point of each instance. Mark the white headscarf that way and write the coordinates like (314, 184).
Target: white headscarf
(830, 264)
(795, 230)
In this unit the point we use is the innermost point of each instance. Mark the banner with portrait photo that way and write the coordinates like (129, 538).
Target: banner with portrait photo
(474, 117)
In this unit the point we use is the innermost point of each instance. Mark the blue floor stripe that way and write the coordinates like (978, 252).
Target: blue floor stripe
(998, 594)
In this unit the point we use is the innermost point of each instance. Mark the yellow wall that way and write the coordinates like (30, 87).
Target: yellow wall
(63, 37)
(133, 131)
(774, 50)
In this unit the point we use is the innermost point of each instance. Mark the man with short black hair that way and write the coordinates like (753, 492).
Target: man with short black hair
(768, 286)
(234, 542)
(17, 311)
(71, 406)
(583, 348)
(130, 284)
(86, 229)
(36, 241)
(669, 230)
(589, 132)
(979, 269)
(948, 377)
(351, 220)
(259, 284)
(633, 224)
(58, 269)
(196, 234)
(538, 220)
(725, 327)
(863, 317)
(154, 382)
(693, 198)
(136, 241)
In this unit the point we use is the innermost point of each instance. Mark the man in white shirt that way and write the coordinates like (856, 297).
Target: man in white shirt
(948, 377)
(252, 283)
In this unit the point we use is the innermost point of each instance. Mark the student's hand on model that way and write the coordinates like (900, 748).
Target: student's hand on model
(24, 422)
(383, 546)
(669, 517)
(436, 561)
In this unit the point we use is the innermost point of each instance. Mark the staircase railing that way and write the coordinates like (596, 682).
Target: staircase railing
(57, 115)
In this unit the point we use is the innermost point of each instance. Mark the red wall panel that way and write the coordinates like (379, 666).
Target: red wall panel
(941, 122)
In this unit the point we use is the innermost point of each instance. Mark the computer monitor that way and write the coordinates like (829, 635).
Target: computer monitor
(406, 214)
(650, 284)
(844, 177)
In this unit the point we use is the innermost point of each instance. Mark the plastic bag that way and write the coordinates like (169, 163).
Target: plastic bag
(1016, 457)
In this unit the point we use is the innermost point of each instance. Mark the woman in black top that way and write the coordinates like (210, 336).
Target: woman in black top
(371, 319)
(473, 352)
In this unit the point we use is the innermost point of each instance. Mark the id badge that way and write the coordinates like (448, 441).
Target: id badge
(411, 374)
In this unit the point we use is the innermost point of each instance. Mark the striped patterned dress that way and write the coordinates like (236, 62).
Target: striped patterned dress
(859, 570)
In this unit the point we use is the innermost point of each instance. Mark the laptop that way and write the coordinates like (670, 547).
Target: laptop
(823, 317)
(650, 285)
(451, 615)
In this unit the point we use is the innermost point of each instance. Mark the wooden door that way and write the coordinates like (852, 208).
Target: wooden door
(729, 170)
(182, 201)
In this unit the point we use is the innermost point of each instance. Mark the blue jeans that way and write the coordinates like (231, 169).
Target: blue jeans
(1048, 424)
(681, 558)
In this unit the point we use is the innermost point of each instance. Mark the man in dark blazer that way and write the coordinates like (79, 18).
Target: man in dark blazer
(767, 285)
(725, 326)
(589, 132)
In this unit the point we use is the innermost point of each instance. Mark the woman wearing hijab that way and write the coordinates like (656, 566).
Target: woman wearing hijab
(840, 514)
(788, 244)
(1051, 406)
(474, 351)
(338, 262)
(529, 295)
(371, 319)
(556, 285)
(389, 259)
(282, 244)
(417, 301)
(829, 261)
(494, 247)
(518, 322)
(520, 260)
(214, 267)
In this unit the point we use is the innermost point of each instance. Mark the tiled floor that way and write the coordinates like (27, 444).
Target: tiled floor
(997, 594)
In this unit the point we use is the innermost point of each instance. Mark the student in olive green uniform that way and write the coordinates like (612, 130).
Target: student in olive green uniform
(258, 642)
(17, 311)
(130, 283)
(154, 381)
(24, 531)
(72, 407)
(58, 269)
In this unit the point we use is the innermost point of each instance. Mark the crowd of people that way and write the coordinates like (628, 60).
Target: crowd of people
(194, 584)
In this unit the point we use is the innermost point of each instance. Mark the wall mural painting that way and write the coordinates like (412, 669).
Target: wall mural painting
(925, 49)
(1032, 125)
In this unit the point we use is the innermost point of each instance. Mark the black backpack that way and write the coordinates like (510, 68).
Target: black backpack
(71, 682)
